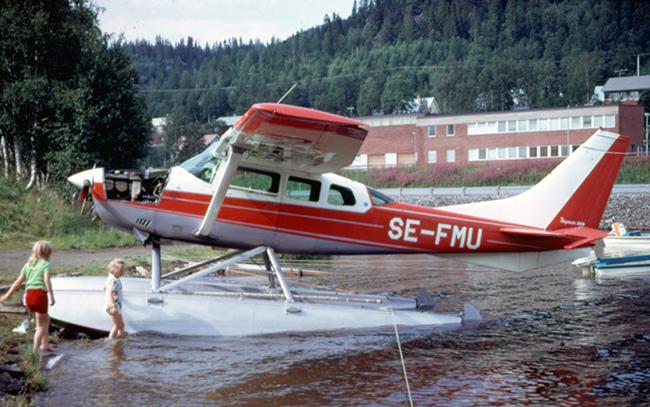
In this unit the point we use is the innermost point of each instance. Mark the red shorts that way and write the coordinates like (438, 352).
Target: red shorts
(36, 301)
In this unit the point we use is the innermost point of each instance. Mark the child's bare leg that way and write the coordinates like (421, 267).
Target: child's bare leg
(42, 330)
(118, 326)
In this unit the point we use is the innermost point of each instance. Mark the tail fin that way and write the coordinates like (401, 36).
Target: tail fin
(573, 195)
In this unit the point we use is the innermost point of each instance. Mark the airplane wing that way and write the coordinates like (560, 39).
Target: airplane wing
(290, 137)
(297, 138)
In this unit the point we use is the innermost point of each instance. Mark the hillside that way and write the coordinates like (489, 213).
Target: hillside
(471, 55)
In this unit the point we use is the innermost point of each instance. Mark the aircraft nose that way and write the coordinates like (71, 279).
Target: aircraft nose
(78, 179)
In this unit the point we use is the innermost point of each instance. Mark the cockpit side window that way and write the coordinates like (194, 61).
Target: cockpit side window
(256, 180)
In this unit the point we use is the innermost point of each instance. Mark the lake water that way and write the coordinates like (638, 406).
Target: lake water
(550, 337)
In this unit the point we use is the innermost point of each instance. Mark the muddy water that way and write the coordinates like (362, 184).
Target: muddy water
(550, 337)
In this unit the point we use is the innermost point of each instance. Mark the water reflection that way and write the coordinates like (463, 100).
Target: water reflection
(550, 337)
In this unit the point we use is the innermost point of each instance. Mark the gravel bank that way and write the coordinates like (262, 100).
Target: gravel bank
(631, 209)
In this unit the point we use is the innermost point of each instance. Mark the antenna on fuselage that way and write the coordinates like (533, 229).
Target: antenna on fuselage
(289, 91)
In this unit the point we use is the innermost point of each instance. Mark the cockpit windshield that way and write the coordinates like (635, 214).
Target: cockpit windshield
(204, 165)
(378, 198)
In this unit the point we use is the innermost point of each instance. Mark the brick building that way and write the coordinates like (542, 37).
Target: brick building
(495, 136)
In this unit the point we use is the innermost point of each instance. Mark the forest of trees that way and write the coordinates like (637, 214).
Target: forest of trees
(471, 55)
(69, 95)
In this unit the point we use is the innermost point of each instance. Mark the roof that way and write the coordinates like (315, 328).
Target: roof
(627, 83)
(229, 120)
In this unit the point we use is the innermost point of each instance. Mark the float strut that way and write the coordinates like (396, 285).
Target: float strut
(278, 272)
(155, 266)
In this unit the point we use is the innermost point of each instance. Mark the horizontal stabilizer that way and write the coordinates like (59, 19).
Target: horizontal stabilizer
(582, 236)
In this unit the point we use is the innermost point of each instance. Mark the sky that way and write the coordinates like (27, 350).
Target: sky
(213, 21)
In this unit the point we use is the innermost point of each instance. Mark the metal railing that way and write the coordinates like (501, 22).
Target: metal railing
(497, 190)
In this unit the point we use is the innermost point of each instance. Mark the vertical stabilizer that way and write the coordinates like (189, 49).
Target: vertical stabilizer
(574, 194)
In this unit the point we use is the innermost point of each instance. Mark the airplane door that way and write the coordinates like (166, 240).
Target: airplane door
(249, 214)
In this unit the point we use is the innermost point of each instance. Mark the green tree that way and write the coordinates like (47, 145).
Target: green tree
(68, 99)
(369, 96)
(397, 94)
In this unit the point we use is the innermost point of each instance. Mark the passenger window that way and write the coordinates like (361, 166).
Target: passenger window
(303, 189)
(341, 196)
(256, 180)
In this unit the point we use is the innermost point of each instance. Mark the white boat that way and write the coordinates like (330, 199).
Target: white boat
(619, 266)
(586, 263)
(620, 237)
(196, 305)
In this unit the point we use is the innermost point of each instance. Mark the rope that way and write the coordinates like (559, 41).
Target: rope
(399, 346)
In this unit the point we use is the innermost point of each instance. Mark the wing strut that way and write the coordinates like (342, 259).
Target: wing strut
(224, 176)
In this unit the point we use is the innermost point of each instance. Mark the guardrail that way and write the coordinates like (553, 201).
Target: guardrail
(498, 190)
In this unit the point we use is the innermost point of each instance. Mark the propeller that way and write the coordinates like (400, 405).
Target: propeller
(85, 181)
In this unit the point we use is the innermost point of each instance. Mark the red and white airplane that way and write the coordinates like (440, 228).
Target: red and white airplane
(268, 183)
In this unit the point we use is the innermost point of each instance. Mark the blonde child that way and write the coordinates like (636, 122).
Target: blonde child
(113, 288)
(36, 276)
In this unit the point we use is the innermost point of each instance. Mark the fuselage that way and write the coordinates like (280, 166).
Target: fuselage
(295, 213)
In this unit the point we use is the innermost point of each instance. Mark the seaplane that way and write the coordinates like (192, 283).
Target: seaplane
(268, 187)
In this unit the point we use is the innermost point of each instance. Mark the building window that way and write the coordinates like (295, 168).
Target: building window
(512, 125)
(472, 154)
(532, 125)
(543, 124)
(522, 152)
(555, 124)
(432, 131)
(523, 125)
(451, 156)
(431, 156)
(564, 123)
(575, 122)
(598, 121)
(609, 120)
(450, 129)
(502, 127)
(586, 121)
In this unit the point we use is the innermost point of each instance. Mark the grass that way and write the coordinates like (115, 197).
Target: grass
(33, 215)
(35, 380)
(445, 175)
(634, 170)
